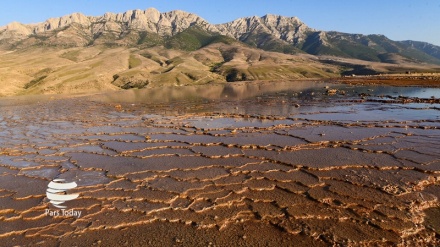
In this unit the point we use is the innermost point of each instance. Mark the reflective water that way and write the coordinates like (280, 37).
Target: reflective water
(309, 100)
(306, 90)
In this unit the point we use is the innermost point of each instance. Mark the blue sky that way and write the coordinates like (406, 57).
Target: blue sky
(397, 19)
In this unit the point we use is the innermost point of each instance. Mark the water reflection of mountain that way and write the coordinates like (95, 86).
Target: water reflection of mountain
(231, 91)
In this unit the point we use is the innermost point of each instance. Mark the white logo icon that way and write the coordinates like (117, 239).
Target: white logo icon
(56, 192)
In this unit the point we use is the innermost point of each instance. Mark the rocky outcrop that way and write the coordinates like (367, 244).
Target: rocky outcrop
(270, 32)
(289, 29)
(150, 20)
(15, 31)
(61, 22)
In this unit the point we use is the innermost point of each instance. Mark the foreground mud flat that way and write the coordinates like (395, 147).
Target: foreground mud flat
(248, 164)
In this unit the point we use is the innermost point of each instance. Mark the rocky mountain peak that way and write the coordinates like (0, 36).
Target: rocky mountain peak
(180, 20)
(150, 20)
(289, 29)
(16, 27)
(15, 31)
(153, 14)
(270, 32)
(60, 22)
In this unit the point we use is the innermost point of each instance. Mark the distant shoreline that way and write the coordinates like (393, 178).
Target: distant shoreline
(398, 80)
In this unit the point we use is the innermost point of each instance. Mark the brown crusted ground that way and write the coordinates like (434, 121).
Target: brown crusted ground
(401, 80)
(258, 172)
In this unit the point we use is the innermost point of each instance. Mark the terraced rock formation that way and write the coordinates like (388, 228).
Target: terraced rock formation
(256, 170)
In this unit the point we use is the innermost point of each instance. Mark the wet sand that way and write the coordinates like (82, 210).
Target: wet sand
(240, 165)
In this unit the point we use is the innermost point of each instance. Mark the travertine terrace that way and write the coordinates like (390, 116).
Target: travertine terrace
(223, 168)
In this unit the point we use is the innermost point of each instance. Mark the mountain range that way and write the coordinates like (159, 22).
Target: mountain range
(141, 48)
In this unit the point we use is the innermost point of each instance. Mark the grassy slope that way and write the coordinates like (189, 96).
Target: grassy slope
(55, 70)
(374, 48)
(42, 70)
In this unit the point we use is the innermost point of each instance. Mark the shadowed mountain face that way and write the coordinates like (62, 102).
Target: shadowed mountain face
(370, 48)
(136, 49)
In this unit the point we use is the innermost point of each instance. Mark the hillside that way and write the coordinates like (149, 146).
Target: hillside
(49, 70)
(136, 49)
